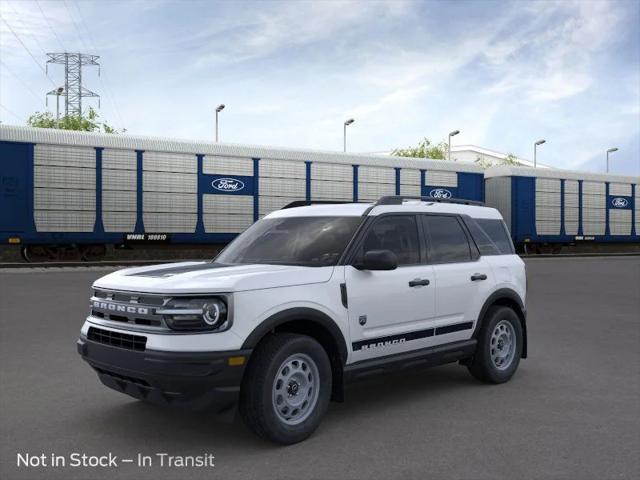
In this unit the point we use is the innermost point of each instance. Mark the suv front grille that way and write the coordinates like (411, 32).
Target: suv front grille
(122, 318)
(117, 339)
(130, 308)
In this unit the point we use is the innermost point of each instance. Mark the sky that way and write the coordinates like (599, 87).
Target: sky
(290, 73)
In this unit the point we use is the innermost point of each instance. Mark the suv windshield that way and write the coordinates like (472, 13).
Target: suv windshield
(308, 241)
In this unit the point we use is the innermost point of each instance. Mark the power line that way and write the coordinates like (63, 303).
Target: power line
(6, 67)
(9, 111)
(112, 99)
(105, 83)
(26, 30)
(75, 25)
(83, 24)
(50, 27)
(28, 51)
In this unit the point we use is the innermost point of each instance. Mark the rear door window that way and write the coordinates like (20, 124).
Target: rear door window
(398, 233)
(448, 241)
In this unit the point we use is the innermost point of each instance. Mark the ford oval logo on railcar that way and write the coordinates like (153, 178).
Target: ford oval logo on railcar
(619, 202)
(227, 184)
(440, 193)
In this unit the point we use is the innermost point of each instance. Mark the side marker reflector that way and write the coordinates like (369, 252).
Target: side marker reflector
(236, 361)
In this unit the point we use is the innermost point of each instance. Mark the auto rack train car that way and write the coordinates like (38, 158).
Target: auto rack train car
(547, 208)
(76, 192)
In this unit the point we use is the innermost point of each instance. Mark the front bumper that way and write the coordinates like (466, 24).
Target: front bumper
(196, 380)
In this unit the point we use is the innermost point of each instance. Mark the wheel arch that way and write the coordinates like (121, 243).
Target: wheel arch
(508, 298)
(316, 324)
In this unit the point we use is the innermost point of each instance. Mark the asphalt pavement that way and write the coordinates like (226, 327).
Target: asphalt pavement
(572, 411)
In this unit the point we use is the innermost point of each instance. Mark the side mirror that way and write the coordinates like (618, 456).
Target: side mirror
(378, 260)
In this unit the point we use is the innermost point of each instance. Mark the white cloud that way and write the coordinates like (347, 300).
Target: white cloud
(275, 26)
(291, 72)
(549, 60)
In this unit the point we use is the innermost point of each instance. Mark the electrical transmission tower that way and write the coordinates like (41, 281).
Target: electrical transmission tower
(73, 90)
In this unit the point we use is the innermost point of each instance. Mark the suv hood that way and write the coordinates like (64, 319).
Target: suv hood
(207, 277)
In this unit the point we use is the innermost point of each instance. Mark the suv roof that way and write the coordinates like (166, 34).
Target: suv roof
(387, 205)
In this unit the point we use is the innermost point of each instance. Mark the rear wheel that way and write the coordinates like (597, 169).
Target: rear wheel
(286, 389)
(499, 346)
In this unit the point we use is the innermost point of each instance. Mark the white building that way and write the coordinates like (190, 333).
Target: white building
(470, 153)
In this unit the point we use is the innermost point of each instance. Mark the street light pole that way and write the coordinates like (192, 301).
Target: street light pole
(58, 93)
(451, 134)
(535, 151)
(344, 137)
(611, 150)
(218, 110)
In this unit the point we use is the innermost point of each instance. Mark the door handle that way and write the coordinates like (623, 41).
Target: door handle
(478, 276)
(419, 282)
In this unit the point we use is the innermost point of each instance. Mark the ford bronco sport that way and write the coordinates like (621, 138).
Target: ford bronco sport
(308, 299)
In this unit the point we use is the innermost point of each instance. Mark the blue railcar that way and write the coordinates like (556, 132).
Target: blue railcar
(81, 191)
(549, 207)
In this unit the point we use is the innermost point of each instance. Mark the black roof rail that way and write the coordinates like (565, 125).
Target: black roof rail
(306, 203)
(398, 199)
(387, 200)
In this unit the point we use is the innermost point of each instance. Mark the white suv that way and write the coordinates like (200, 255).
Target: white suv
(308, 299)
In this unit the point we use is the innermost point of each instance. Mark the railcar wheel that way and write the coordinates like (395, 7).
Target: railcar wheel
(547, 249)
(92, 253)
(39, 253)
(53, 253)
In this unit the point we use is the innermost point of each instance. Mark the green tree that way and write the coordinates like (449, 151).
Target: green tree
(510, 159)
(483, 162)
(424, 149)
(88, 123)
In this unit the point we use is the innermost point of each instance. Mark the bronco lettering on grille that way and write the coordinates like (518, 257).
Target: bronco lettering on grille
(117, 307)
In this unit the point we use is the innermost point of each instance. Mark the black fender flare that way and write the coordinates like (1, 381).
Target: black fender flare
(298, 313)
(513, 298)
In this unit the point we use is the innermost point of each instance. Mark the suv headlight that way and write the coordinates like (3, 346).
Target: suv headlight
(210, 314)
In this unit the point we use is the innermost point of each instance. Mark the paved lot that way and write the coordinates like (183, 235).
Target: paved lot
(571, 412)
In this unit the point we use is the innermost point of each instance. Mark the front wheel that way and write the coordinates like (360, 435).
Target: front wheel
(286, 389)
(499, 346)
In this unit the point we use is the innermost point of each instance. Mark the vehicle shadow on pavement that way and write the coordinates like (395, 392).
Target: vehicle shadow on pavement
(382, 392)
(156, 427)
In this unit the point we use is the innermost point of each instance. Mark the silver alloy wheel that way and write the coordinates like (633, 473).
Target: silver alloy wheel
(296, 389)
(503, 345)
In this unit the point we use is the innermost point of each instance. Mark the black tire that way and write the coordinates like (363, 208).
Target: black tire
(256, 394)
(482, 366)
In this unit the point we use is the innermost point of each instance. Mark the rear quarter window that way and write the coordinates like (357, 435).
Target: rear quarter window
(491, 236)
